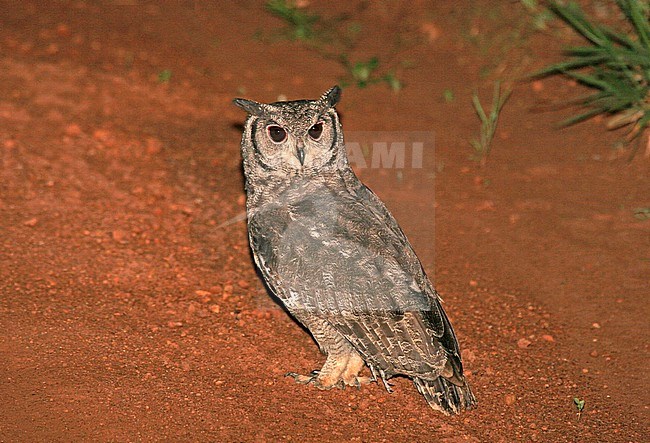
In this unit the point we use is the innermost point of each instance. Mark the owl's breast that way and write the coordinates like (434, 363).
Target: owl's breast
(318, 245)
(284, 223)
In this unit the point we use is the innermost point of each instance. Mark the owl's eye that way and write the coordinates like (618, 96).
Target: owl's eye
(277, 133)
(316, 131)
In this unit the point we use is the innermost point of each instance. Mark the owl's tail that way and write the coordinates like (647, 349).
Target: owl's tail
(444, 396)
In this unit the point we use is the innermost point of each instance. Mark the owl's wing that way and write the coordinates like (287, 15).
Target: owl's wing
(379, 296)
(265, 231)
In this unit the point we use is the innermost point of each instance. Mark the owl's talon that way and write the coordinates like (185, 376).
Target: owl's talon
(303, 379)
(388, 386)
(357, 382)
(313, 379)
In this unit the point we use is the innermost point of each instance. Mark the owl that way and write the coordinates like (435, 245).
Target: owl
(332, 253)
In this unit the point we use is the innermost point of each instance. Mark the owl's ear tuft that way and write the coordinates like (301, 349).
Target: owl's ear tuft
(331, 97)
(253, 108)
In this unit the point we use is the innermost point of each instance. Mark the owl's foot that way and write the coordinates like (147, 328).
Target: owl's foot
(336, 373)
(314, 378)
(303, 379)
(350, 375)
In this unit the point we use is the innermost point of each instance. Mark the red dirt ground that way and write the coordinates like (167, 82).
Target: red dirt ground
(128, 313)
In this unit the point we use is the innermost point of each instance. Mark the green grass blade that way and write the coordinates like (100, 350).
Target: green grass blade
(573, 15)
(479, 108)
(580, 118)
(634, 12)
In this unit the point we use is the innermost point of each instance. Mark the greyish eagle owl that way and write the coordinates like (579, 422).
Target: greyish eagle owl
(332, 253)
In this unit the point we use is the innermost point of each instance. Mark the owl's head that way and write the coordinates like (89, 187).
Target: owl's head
(298, 137)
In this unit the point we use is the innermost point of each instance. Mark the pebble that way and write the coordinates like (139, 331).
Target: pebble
(468, 355)
(547, 337)
(486, 205)
(227, 291)
(101, 135)
(510, 399)
(119, 235)
(63, 30)
(431, 31)
(31, 222)
(523, 343)
(72, 130)
(154, 146)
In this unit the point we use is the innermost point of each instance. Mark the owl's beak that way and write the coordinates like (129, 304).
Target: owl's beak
(300, 153)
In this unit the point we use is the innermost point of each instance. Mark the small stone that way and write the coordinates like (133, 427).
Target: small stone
(243, 284)
(154, 146)
(31, 222)
(594, 353)
(118, 235)
(468, 355)
(73, 130)
(174, 324)
(510, 399)
(549, 338)
(431, 31)
(63, 30)
(101, 135)
(523, 343)
(595, 325)
(486, 205)
(227, 291)
(52, 49)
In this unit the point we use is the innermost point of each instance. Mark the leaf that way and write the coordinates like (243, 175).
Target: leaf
(580, 404)
(393, 82)
(479, 109)
(165, 76)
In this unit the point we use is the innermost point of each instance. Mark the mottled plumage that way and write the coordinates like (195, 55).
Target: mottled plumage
(332, 253)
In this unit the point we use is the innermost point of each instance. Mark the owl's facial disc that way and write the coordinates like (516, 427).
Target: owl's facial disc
(294, 138)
